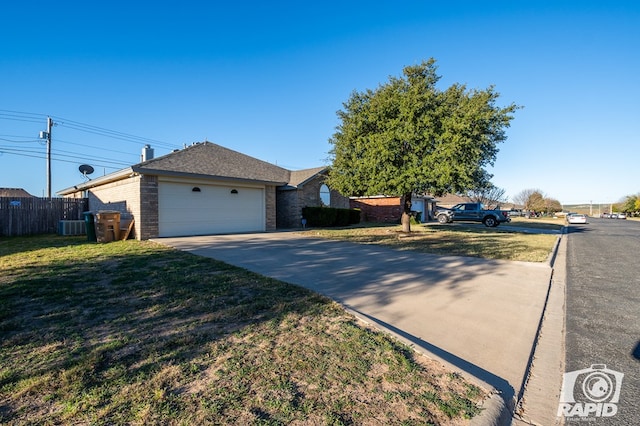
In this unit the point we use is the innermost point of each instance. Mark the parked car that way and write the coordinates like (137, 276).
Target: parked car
(472, 212)
(622, 216)
(577, 218)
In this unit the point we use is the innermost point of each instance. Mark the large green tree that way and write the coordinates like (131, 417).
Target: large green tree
(407, 137)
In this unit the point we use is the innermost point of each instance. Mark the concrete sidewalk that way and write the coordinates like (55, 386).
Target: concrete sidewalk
(478, 316)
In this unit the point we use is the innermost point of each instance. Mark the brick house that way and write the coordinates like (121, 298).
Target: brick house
(207, 189)
(389, 209)
(306, 188)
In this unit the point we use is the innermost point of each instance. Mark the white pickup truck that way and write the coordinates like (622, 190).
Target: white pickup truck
(472, 212)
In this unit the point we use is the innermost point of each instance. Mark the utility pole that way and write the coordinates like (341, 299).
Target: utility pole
(49, 127)
(47, 136)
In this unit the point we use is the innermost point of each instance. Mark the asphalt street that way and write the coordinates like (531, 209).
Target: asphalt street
(603, 317)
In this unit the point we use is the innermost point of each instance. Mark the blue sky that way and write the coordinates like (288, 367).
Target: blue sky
(266, 79)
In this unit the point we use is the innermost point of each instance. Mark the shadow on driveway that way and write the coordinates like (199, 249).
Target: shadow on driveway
(479, 316)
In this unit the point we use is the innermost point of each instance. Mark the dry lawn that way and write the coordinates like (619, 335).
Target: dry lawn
(135, 333)
(503, 242)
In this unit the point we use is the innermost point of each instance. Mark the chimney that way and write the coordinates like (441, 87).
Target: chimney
(147, 153)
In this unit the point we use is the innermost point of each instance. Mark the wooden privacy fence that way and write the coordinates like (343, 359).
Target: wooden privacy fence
(32, 215)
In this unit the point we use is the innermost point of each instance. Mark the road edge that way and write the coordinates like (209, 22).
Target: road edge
(538, 400)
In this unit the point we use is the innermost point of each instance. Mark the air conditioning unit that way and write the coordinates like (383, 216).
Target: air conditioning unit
(71, 227)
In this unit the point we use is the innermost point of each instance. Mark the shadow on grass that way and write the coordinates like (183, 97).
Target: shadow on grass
(71, 324)
(132, 332)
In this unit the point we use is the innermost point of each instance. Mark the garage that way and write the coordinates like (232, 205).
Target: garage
(196, 208)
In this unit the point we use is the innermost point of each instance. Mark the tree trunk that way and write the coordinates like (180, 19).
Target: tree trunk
(406, 213)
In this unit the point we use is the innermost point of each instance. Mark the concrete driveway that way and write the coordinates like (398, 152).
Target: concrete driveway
(478, 316)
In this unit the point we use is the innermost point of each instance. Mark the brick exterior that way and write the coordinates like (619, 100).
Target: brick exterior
(134, 191)
(389, 209)
(137, 197)
(270, 207)
(149, 227)
(382, 209)
(288, 211)
(122, 196)
(134, 197)
(290, 202)
(339, 201)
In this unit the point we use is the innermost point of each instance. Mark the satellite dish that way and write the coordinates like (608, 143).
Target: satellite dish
(86, 169)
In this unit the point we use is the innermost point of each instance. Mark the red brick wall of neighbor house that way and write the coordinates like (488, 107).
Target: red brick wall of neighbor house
(378, 209)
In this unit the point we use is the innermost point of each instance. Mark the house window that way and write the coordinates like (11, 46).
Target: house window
(325, 195)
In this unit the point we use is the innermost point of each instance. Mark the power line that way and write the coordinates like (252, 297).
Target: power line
(31, 114)
(21, 116)
(40, 155)
(64, 154)
(92, 157)
(114, 134)
(83, 127)
(92, 147)
(16, 141)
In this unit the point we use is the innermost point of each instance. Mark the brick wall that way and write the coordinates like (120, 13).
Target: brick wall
(135, 197)
(383, 209)
(121, 196)
(339, 201)
(270, 207)
(288, 212)
(291, 202)
(149, 227)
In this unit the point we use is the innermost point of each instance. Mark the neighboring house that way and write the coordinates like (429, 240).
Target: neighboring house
(206, 189)
(450, 200)
(389, 209)
(14, 193)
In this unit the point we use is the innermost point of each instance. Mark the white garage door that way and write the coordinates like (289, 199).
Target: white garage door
(197, 209)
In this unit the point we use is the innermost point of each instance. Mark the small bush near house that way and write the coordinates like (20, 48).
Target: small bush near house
(329, 216)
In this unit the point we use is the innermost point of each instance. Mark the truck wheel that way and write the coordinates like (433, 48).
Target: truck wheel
(442, 218)
(490, 222)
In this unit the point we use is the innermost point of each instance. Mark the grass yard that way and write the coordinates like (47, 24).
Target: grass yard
(538, 222)
(136, 333)
(455, 239)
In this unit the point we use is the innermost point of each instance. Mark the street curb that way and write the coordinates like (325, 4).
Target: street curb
(547, 353)
(497, 412)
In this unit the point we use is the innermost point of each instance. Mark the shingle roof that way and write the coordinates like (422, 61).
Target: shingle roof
(14, 192)
(451, 199)
(208, 160)
(212, 160)
(300, 177)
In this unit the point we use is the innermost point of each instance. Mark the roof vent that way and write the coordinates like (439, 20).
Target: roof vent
(147, 153)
